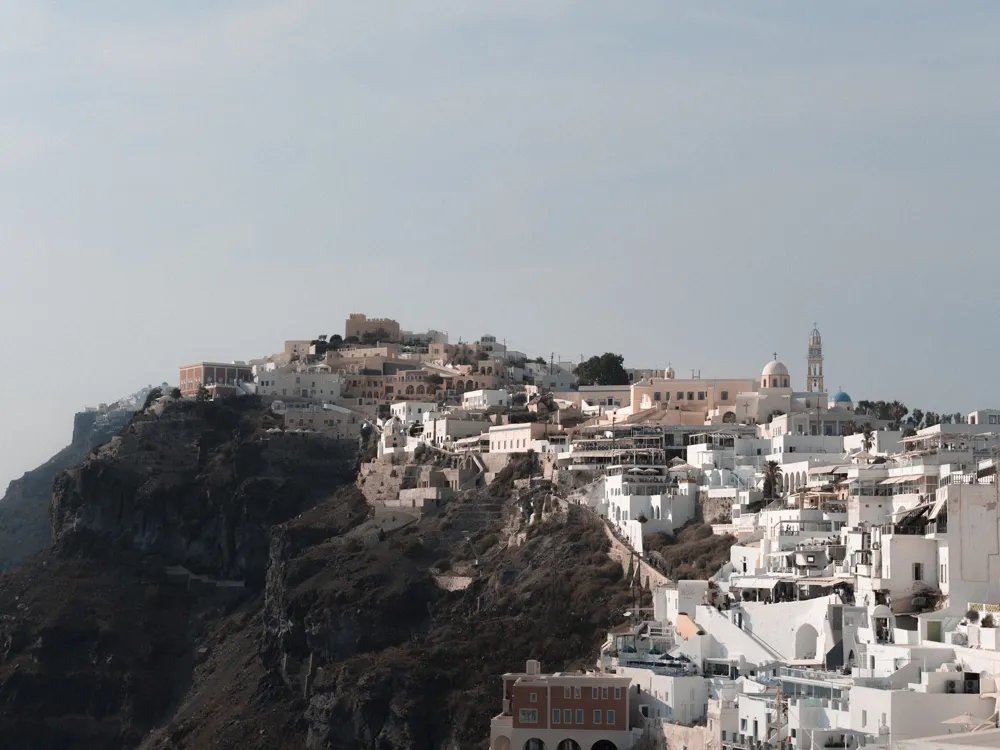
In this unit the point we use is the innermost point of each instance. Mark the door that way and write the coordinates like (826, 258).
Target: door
(934, 631)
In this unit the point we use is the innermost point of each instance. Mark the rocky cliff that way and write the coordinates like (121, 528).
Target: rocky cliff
(24, 509)
(213, 585)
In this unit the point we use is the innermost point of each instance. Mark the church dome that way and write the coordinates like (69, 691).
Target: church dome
(774, 367)
(842, 398)
(669, 373)
(775, 375)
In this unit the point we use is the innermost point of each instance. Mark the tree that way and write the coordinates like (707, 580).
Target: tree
(336, 341)
(897, 411)
(931, 418)
(867, 438)
(202, 395)
(539, 360)
(773, 414)
(909, 432)
(916, 418)
(772, 478)
(607, 369)
(959, 418)
(175, 393)
(946, 419)
(151, 397)
(850, 427)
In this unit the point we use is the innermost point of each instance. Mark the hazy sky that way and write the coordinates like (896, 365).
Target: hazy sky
(692, 183)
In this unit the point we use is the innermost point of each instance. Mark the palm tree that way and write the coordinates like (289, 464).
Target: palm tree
(916, 418)
(867, 438)
(772, 478)
(850, 427)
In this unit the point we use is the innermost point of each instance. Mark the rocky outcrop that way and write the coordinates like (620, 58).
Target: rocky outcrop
(199, 485)
(24, 509)
(342, 637)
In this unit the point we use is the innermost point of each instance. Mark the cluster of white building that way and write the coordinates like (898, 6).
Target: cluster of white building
(859, 607)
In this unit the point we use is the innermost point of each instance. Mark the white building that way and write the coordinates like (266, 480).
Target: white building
(643, 500)
(315, 382)
(485, 399)
(411, 412)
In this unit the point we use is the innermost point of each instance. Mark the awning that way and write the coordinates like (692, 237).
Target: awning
(824, 581)
(938, 505)
(901, 480)
(915, 508)
(753, 582)
(786, 553)
(828, 469)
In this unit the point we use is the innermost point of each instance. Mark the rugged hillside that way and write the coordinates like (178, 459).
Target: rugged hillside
(24, 509)
(356, 628)
(362, 646)
(199, 485)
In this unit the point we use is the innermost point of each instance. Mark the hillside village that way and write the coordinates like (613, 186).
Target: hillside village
(856, 605)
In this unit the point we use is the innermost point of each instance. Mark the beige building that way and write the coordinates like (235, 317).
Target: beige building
(328, 419)
(516, 438)
(360, 325)
(701, 397)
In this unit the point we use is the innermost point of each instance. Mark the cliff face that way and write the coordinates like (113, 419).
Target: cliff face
(24, 509)
(357, 627)
(199, 486)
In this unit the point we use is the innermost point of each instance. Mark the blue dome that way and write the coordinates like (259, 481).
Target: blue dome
(840, 398)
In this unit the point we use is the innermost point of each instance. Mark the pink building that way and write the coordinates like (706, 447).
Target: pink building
(218, 377)
(562, 711)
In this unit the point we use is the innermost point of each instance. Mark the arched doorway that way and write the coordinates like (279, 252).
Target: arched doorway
(604, 745)
(501, 743)
(534, 744)
(568, 745)
(806, 640)
(728, 418)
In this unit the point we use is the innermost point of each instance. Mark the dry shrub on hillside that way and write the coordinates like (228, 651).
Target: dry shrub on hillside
(694, 554)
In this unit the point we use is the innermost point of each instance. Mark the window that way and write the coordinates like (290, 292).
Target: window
(864, 718)
(579, 716)
(883, 721)
(743, 725)
(528, 715)
(810, 558)
(567, 716)
(533, 697)
(597, 717)
(944, 573)
(595, 693)
(680, 395)
(656, 396)
(567, 692)
(604, 693)
(556, 713)
(724, 734)
(618, 692)
(690, 396)
(793, 734)
(725, 395)
(701, 395)
(576, 692)
(611, 717)
(918, 571)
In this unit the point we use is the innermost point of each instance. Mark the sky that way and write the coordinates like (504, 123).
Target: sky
(692, 183)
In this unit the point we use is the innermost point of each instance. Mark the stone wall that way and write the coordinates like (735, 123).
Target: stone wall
(718, 509)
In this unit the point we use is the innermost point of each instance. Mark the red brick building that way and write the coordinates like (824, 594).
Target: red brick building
(216, 376)
(563, 711)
